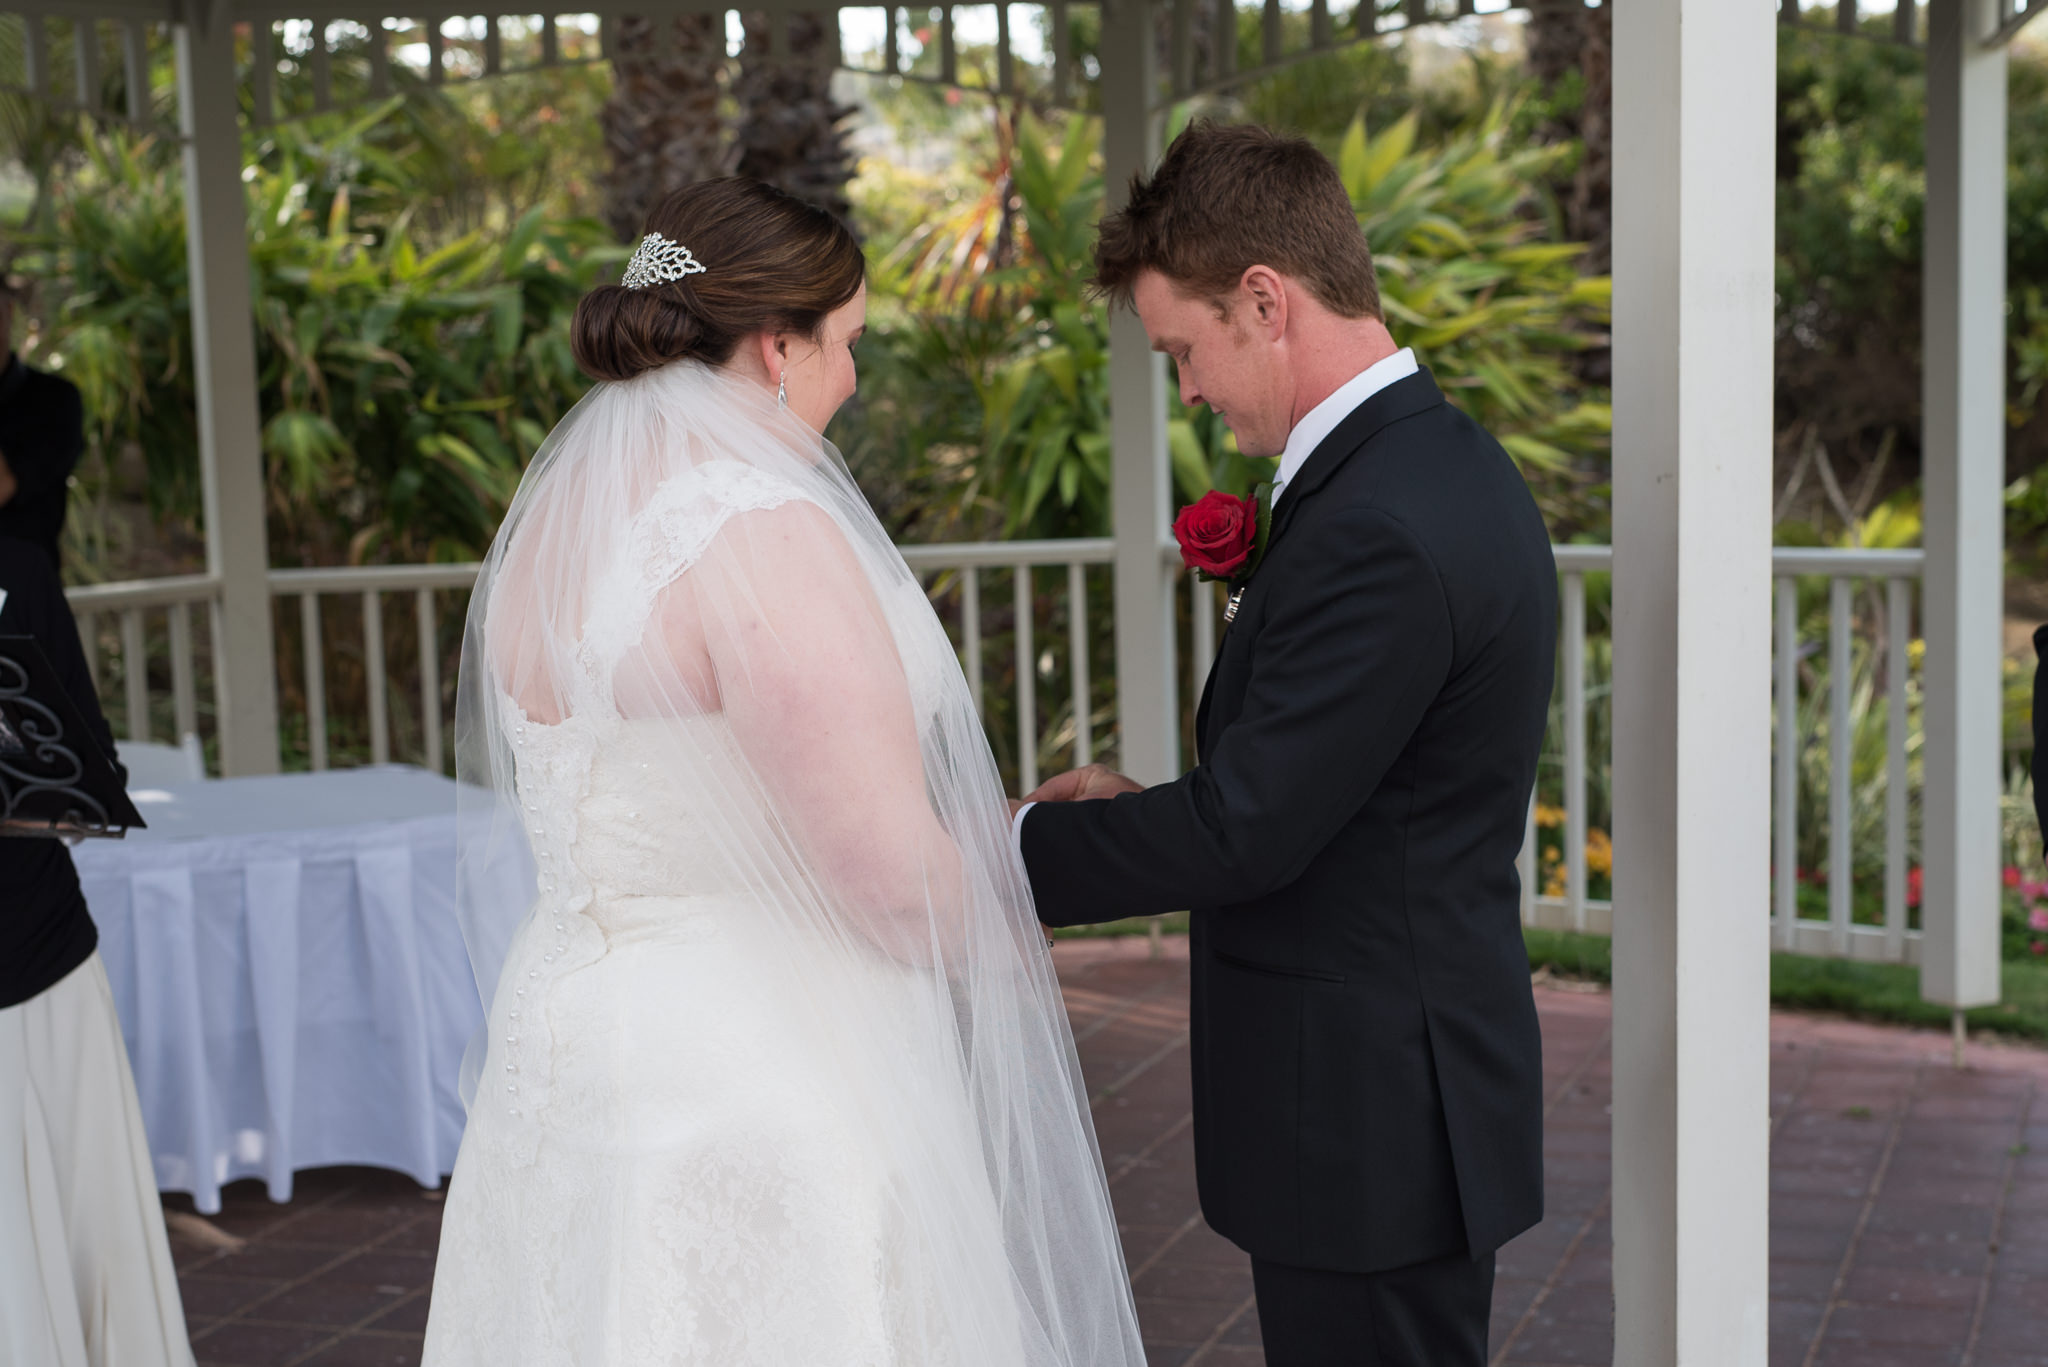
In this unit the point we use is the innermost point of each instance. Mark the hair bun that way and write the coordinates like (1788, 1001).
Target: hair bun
(620, 333)
(771, 263)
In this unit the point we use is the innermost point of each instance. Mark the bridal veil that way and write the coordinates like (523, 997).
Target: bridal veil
(691, 568)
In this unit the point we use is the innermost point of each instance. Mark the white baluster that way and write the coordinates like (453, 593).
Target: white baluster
(430, 679)
(313, 651)
(184, 704)
(135, 673)
(1786, 805)
(1077, 648)
(1841, 852)
(970, 631)
(1027, 683)
(1202, 616)
(1575, 747)
(1898, 630)
(374, 677)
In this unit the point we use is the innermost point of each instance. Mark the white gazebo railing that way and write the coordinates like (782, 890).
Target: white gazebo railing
(1050, 579)
(1893, 573)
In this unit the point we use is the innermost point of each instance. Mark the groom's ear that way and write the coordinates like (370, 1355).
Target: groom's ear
(1264, 292)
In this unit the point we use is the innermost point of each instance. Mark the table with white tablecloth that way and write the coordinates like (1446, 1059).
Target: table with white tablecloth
(290, 975)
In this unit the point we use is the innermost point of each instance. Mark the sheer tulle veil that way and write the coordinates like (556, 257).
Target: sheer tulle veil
(686, 559)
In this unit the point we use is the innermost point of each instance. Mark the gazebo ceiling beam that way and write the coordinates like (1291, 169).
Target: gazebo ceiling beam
(2015, 15)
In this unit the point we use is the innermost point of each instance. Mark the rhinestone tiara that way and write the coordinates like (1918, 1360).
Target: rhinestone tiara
(658, 261)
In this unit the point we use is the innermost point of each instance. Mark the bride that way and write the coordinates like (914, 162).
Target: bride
(777, 1072)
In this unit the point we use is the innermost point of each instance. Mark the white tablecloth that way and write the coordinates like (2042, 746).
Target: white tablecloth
(291, 979)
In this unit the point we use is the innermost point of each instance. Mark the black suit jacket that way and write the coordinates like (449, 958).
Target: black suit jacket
(1367, 1065)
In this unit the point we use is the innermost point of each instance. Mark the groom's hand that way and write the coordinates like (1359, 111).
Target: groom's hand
(1082, 785)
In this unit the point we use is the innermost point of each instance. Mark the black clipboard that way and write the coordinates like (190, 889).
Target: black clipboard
(55, 780)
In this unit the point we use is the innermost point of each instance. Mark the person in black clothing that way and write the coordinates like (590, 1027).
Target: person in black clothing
(47, 931)
(42, 435)
(85, 1264)
(1368, 1104)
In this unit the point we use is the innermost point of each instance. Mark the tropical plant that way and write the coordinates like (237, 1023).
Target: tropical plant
(401, 388)
(1497, 313)
(1465, 276)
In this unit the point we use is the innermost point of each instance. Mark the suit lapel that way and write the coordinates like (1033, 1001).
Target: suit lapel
(1208, 692)
(1402, 399)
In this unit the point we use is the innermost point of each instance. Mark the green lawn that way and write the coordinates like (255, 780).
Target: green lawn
(1878, 992)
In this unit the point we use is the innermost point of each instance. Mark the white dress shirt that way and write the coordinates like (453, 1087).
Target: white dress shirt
(1322, 420)
(1307, 435)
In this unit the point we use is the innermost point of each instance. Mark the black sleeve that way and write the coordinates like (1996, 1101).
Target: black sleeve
(48, 442)
(1354, 646)
(2040, 765)
(36, 607)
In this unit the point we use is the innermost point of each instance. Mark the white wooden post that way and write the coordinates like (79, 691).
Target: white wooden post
(1147, 706)
(1694, 92)
(224, 371)
(1963, 445)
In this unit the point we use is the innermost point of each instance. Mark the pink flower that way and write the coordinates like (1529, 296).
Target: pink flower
(2034, 892)
(2012, 876)
(2038, 918)
(1915, 879)
(2039, 946)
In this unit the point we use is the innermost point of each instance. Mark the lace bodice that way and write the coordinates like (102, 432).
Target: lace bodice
(583, 782)
(601, 825)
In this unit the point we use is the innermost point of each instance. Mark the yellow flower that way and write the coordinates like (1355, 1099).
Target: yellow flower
(1554, 883)
(1552, 855)
(1599, 852)
(1548, 816)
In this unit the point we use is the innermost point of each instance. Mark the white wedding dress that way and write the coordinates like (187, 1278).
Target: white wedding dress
(734, 1107)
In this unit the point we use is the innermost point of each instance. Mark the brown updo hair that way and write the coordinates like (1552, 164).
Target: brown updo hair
(772, 263)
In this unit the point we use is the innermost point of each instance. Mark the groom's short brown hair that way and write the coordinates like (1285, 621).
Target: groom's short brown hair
(1228, 197)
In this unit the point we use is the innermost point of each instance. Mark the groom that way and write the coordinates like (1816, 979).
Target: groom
(1367, 1068)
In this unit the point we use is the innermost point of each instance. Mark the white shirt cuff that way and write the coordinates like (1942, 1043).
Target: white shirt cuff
(1017, 828)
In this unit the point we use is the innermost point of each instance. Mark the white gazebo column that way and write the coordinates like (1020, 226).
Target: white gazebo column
(1963, 454)
(1147, 706)
(1694, 98)
(224, 372)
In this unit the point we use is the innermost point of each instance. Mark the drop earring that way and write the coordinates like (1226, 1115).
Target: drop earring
(781, 393)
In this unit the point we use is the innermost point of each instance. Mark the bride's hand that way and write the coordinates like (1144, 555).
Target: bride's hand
(1082, 785)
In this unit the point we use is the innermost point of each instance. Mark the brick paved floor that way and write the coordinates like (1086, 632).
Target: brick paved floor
(1909, 1216)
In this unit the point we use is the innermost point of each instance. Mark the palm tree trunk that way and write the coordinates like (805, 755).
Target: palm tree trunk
(1565, 41)
(789, 133)
(661, 124)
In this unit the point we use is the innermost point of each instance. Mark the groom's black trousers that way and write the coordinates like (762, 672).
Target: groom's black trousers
(1431, 1314)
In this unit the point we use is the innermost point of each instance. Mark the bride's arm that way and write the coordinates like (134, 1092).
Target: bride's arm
(812, 682)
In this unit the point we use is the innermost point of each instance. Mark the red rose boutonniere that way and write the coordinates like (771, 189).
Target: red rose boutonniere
(1223, 536)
